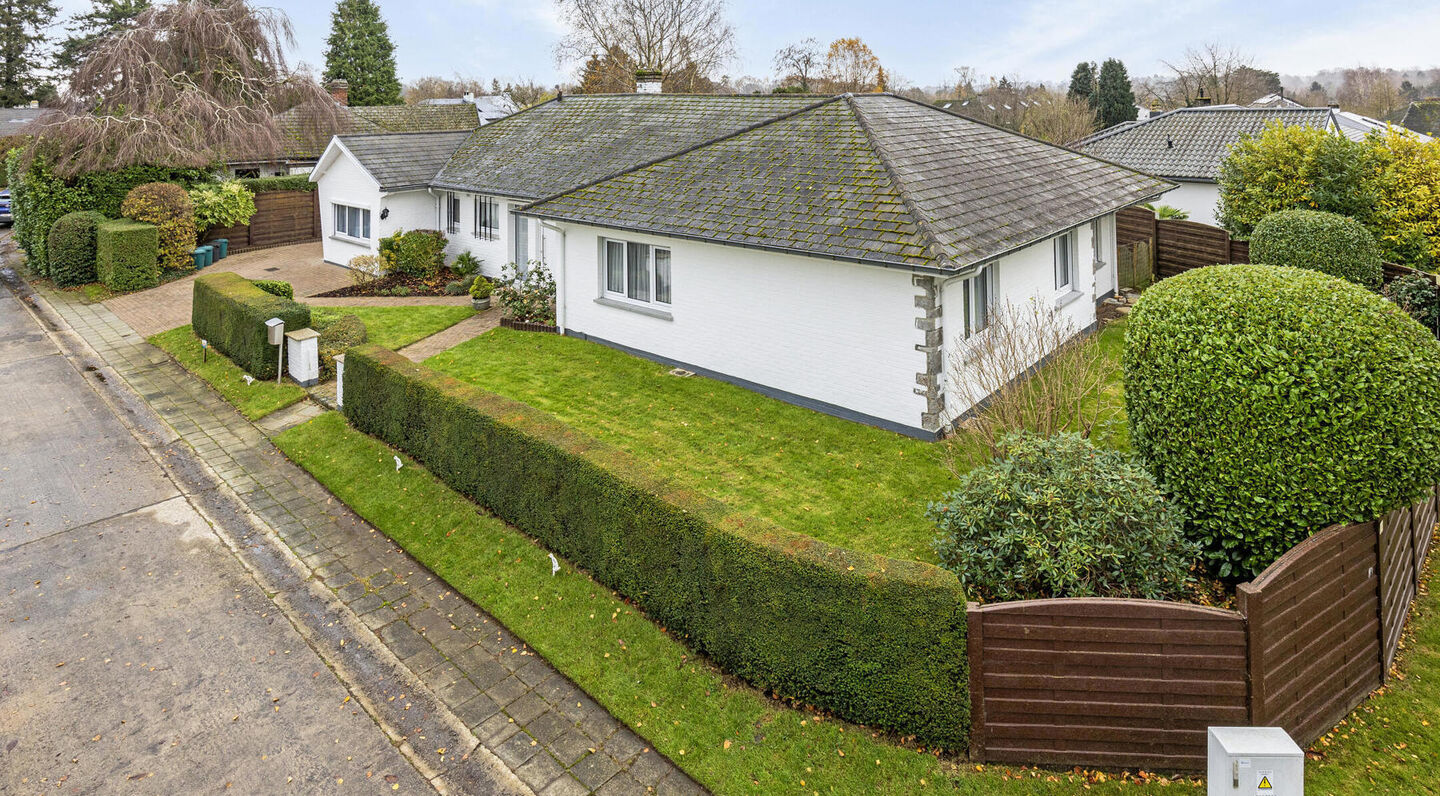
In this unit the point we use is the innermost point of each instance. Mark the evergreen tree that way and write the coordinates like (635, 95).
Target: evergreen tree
(359, 50)
(103, 18)
(1114, 98)
(22, 30)
(1082, 83)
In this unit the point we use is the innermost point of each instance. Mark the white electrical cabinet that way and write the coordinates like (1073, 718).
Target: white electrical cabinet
(1254, 761)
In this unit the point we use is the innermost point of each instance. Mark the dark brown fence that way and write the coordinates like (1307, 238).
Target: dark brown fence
(1134, 683)
(281, 218)
(1178, 246)
(1114, 683)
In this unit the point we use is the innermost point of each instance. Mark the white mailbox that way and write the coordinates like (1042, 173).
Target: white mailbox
(304, 359)
(1254, 761)
(275, 329)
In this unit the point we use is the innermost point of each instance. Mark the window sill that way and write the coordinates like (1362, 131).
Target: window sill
(348, 239)
(1068, 298)
(636, 308)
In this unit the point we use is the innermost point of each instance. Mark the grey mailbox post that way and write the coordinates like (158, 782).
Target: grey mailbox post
(275, 328)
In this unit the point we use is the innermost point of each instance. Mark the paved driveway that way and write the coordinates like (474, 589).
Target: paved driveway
(163, 308)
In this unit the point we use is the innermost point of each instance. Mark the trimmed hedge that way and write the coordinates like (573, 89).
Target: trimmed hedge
(876, 640)
(293, 182)
(337, 337)
(127, 254)
(231, 313)
(1271, 402)
(275, 287)
(70, 248)
(1325, 242)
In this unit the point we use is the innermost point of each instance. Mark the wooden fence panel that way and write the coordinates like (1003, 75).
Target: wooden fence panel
(1104, 682)
(1183, 245)
(1397, 579)
(281, 218)
(1134, 224)
(1314, 628)
(1239, 251)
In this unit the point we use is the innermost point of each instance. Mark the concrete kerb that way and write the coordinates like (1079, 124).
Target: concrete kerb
(356, 655)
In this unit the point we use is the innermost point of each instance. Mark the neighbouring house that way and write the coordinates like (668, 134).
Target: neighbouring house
(1188, 145)
(842, 253)
(1423, 116)
(1276, 100)
(490, 107)
(304, 142)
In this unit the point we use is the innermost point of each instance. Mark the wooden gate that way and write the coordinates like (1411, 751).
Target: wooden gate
(281, 218)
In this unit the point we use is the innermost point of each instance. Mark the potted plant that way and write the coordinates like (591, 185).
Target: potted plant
(480, 293)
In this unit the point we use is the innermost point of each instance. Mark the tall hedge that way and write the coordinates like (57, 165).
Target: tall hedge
(1325, 242)
(230, 312)
(168, 207)
(127, 254)
(70, 248)
(39, 198)
(1270, 402)
(876, 640)
(292, 182)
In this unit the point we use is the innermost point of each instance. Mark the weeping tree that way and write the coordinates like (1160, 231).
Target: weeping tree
(184, 85)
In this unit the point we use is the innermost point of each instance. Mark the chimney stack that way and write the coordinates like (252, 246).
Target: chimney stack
(340, 90)
(647, 81)
(1201, 101)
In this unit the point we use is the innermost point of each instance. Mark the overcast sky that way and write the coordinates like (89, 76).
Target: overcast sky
(922, 40)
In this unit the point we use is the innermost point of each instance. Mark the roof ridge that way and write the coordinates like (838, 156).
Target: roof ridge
(922, 221)
(687, 150)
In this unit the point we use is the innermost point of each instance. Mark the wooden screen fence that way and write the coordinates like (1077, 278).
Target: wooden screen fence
(1134, 683)
(1178, 246)
(281, 218)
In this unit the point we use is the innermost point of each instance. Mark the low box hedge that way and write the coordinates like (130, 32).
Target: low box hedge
(230, 312)
(127, 254)
(70, 248)
(876, 640)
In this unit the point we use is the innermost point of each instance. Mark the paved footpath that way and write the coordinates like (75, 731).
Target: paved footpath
(410, 644)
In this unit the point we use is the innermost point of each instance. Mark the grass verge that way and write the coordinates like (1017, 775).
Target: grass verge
(254, 400)
(726, 735)
(396, 327)
(842, 482)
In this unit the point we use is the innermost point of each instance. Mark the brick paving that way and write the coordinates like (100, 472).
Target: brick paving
(446, 339)
(550, 733)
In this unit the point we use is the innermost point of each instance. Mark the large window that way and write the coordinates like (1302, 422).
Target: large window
(637, 271)
(452, 213)
(352, 222)
(1065, 261)
(977, 298)
(487, 218)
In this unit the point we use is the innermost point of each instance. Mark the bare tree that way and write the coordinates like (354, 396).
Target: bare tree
(1029, 370)
(798, 61)
(1370, 91)
(436, 87)
(665, 35)
(189, 84)
(851, 66)
(1222, 73)
(1054, 117)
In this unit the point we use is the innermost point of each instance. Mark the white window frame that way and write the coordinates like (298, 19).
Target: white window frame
(654, 284)
(977, 302)
(1066, 242)
(345, 233)
(487, 218)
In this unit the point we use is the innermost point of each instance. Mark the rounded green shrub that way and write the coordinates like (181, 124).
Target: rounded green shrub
(70, 248)
(1325, 242)
(1058, 517)
(168, 207)
(1271, 402)
(275, 287)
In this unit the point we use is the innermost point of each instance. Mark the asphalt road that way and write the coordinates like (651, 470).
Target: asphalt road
(137, 653)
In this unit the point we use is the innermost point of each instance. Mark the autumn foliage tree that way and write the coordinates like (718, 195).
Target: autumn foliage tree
(851, 66)
(187, 84)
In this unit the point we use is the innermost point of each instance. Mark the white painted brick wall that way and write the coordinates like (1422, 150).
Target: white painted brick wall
(832, 331)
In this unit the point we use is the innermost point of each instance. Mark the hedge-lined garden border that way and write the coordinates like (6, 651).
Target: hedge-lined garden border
(230, 312)
(877, 640)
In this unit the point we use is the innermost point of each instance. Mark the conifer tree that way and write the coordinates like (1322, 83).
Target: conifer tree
(103, 18)
(1114, 97)
(22, 30)
(1082, 83)
(359, 51)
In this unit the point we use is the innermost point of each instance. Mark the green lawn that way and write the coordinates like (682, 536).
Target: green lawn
(254, 400)
(727, 736)
(396, 327)
(842, 482)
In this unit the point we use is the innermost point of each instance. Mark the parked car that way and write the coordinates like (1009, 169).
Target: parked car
(6, 218)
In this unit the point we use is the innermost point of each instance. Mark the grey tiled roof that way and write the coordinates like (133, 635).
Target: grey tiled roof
(403, 160)
(1423, 117)
(874, 178)
(302, 141)
(560, 144)
(1190, 143)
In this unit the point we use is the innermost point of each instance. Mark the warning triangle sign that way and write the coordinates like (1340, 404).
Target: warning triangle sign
(1264, 783)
